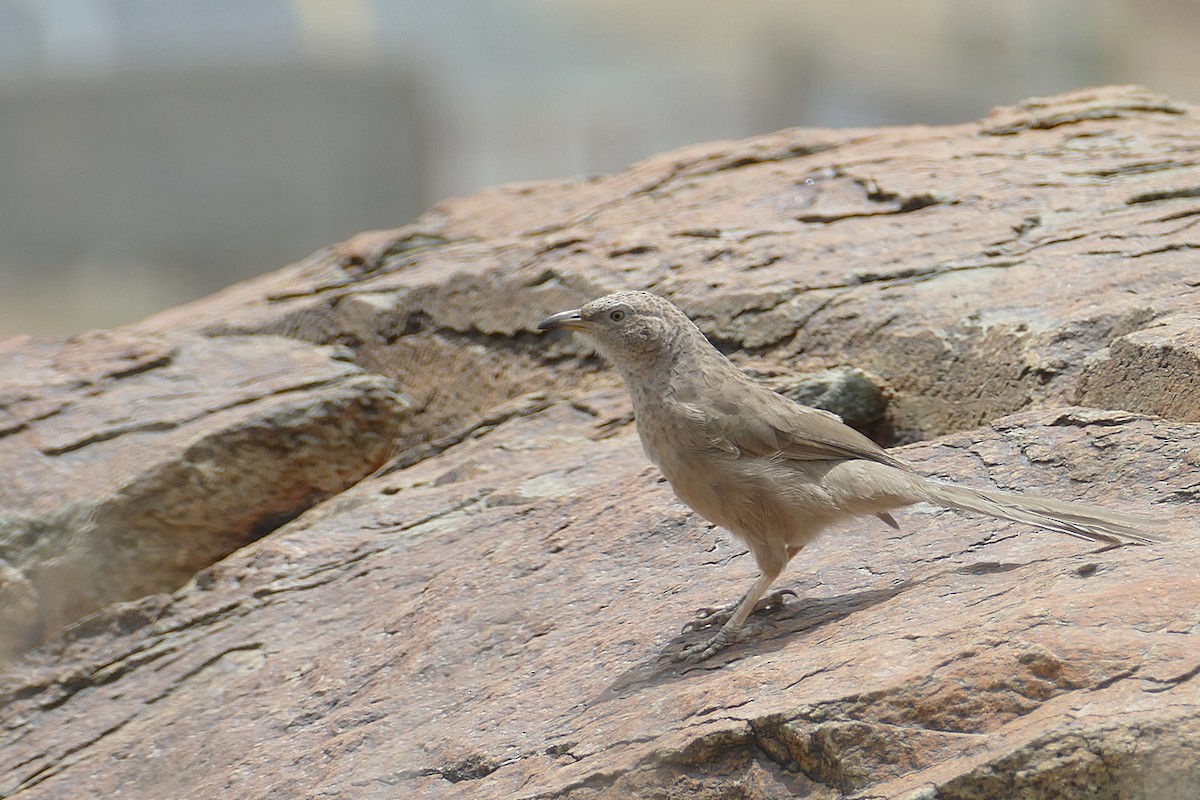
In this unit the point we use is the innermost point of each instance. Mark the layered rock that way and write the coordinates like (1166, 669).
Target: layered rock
(486, 609)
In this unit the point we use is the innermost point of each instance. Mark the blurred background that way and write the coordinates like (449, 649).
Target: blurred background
(152, 151)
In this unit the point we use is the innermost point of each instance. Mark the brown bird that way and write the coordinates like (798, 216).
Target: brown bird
(774, 472)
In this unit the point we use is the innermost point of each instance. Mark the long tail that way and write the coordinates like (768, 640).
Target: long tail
(1075, 519)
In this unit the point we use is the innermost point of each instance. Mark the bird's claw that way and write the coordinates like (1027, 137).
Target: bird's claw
(698, 652)
(774, 600)
(707, 617)
(711, 616)
(695, 653)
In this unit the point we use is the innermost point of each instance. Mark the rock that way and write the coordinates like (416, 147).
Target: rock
(487, 611)
(852, 394)
(1155, 370)
(135, 461)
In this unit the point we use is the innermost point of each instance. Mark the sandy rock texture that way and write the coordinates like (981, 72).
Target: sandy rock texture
(353, 529)
(131, 461)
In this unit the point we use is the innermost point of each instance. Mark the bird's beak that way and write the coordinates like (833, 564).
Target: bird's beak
(564, 320)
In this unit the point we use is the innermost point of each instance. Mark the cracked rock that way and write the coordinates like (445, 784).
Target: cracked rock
(352, 529)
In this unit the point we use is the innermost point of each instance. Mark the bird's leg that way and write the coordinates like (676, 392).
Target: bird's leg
(771, 562)
(710, 616)
(701, 651)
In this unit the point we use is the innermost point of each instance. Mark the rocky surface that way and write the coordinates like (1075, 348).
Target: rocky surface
(487, 608)
(132, 461)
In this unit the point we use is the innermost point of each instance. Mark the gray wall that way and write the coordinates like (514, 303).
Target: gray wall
(152, 152)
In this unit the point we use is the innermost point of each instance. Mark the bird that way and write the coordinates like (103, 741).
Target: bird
(771, 471)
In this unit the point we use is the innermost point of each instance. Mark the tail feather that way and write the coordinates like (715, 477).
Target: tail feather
(1074, 519)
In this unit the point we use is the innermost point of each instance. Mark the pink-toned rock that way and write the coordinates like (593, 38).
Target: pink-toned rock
(489, 614)
(133, 461)
(1155, 369)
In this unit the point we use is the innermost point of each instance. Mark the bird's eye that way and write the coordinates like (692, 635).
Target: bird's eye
(616, 315)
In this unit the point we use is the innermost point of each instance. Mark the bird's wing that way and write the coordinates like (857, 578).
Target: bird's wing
(751, 420)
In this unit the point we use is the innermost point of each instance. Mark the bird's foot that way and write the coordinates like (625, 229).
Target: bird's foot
(696, 653)
(711, 616)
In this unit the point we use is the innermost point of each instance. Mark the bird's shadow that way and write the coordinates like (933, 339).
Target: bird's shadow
(797, 616)
(774, 629)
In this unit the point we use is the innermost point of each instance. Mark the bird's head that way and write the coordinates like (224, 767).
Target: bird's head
(633, 330)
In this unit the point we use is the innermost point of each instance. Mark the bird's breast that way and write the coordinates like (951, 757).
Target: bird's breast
(702, 475)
